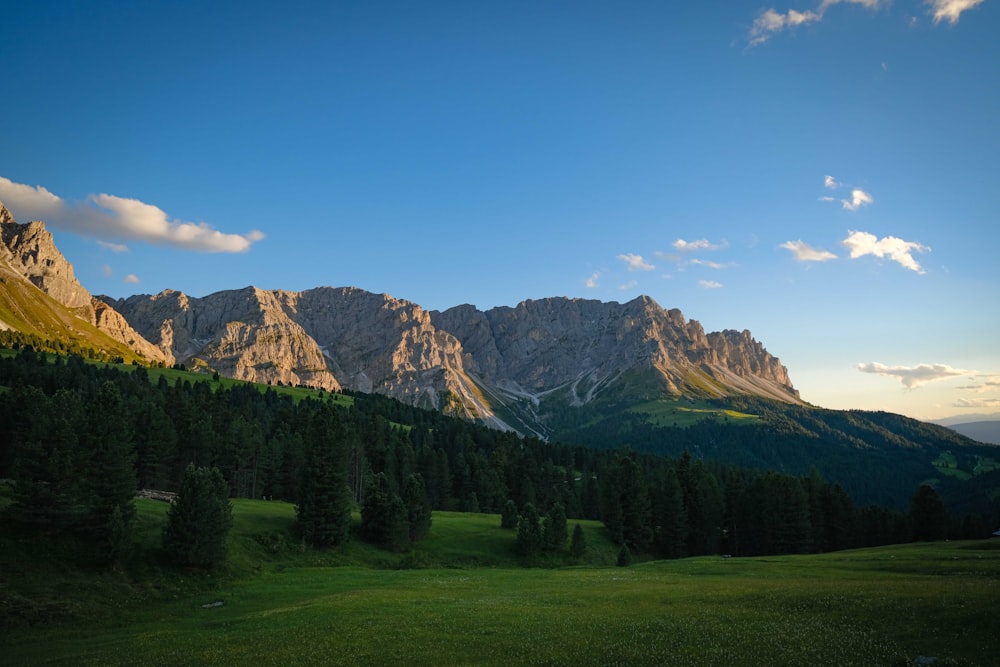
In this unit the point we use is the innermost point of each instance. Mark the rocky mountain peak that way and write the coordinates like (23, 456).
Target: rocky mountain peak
(31, 252)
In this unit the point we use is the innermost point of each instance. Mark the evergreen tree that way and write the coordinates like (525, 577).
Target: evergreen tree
(554, 532)
(928, 515)
(323, 510)
(578, 543)
(508, 516)
(47, 456)
(624, 556)
(529, 532)
(670, 531)
(110, 480)
(384, 516)
(418, 507)
(199, 519)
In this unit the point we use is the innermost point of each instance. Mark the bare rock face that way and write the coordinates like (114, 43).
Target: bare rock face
(30, 250)
(325, 337)
(34, 253)
(581, 346)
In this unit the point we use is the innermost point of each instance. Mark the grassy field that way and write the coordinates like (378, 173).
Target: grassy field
(462, 597)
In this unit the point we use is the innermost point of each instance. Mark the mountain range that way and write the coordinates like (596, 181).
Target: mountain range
(588, 372)
(509, 368)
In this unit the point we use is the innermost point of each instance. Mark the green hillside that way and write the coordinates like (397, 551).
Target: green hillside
(35, 316)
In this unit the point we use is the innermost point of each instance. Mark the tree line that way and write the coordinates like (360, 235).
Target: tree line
(79, 439)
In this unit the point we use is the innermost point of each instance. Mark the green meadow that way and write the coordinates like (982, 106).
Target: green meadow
(462, 597)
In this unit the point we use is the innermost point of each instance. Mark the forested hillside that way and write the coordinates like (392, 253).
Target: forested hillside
(74, 433)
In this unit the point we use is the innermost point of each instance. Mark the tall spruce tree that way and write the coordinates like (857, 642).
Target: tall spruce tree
(323, 508)
(578, 543)
(529, 532)
(554, 532)
(928, 515)
(418, 507)
(384, 516)
(110, 479)
(199, 520)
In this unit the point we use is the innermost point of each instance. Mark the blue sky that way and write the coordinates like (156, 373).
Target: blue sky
(823, 174)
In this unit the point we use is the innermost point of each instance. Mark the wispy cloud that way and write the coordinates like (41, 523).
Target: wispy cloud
(977, 403)
(804, 252)
(636, 262)
(858, 199)
(709, 284)
(950, 10)
(132, 279)
(711, 265)
(592, 281)
(107, 271)
(113, 247)
(914, 376)
(770, 22)
(830, 182)
(632, 284)
(896, 249)
(700, 244)
(111, 218)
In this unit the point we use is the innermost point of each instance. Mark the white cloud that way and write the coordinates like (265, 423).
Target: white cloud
(132, 279)
(898, 250)
(592, 280)
(113, 218)
(691, 246)
(632, 284)
(113, 247)
(636, 262)
(804, 252)
(859, 198)
(830, 182)
(827, 198)
(914, 376)
(709, 284)
(950, 10)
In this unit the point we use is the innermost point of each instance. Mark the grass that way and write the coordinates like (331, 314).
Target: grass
(462, 597)
(683, 412)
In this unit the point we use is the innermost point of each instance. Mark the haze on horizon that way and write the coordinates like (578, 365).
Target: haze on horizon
(822, 175)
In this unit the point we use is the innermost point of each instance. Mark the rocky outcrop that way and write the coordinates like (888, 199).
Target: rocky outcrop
(30, 251)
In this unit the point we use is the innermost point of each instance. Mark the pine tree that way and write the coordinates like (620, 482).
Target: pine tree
(418, 507)
(199, 519)
(323, 508)
(110, 479)
(508, 516)
(384, 516)
(928, 515)
(554, 532)
(578, 543)
(529, 532)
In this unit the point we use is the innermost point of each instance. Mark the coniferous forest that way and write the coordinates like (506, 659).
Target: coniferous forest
(79, 440)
